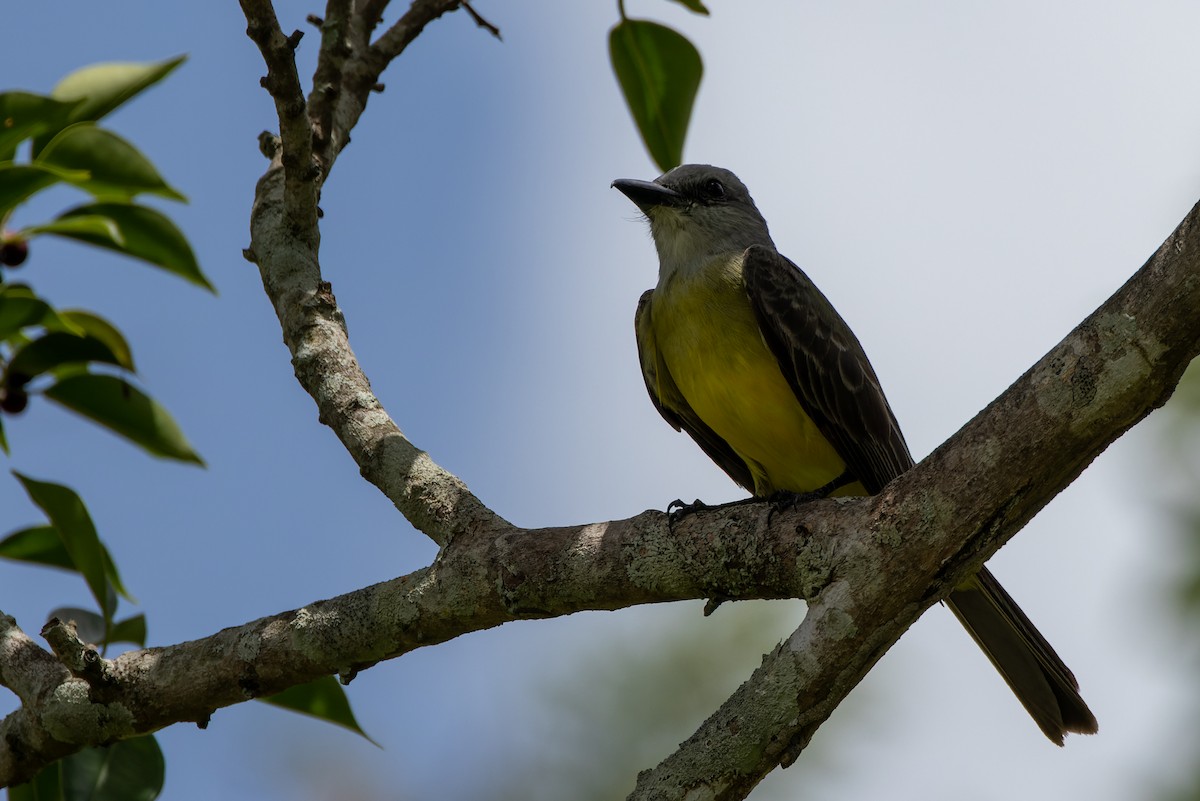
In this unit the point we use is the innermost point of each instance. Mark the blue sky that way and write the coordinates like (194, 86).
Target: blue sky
(964, 183)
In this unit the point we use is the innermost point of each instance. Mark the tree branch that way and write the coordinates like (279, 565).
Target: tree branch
(371, 12)
(285, 248)
(436, 502)
(283, 82)
(393, 42)
(25, 668)
(335, 49)
(477, 582)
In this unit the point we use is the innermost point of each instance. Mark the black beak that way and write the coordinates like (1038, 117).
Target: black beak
(647, 194)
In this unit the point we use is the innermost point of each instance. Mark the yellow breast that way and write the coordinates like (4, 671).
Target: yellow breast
(709, 339)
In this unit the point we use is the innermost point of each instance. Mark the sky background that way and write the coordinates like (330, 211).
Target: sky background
(964, 182)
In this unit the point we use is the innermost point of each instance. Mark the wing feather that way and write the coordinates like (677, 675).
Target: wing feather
(826, 368)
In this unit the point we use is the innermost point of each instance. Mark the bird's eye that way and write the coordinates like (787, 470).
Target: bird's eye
(714, 189)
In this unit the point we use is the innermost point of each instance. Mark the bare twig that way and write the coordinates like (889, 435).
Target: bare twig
(25, 667)
(283, 82)
(481, 22)
(371, 12)
(408, 27)
(83, 660)
(327, 80)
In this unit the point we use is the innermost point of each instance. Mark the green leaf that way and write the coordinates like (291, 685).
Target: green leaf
(19, 182)
(17, 312)
(129, 770)
(40, 545)
(3, 439)
(24, 115)
(694, 5)
(104, 87)
(324, 699)
(125, 410)
(46, 786)
(659, 72)
(115, 168)
(146, 234)
(70, 517)
(16, 291)
(131, 629)
(93, 325)
(56, 349)
(91, 225)
(44, 545)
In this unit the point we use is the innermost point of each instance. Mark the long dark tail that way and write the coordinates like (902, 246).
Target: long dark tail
(1043, 684)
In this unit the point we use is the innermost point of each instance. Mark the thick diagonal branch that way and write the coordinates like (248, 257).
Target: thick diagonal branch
(958, 506)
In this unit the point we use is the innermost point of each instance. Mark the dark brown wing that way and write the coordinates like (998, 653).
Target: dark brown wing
(671, 404)
(826, 367)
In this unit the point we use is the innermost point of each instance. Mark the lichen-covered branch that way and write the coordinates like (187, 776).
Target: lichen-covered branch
(477, 582)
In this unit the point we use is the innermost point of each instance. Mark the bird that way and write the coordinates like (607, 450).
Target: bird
(739, 349)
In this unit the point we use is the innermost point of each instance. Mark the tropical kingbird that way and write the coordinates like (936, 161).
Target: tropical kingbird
(742, 351)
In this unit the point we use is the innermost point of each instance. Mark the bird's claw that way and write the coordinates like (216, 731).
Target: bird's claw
(677, 509)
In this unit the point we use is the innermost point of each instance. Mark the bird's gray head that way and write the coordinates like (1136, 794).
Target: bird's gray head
(697, 213)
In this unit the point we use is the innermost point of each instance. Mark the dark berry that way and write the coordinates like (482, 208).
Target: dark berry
(14, 252)
(13, 400)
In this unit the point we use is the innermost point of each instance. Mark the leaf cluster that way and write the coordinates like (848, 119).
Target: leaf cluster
(80, 361)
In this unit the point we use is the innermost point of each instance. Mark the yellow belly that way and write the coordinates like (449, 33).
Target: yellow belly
(709, 339)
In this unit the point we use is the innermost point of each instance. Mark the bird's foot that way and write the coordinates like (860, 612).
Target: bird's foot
(784, 500)
(677, 509)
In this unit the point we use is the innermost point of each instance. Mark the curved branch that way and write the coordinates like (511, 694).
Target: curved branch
(435, 501)
(285, 246)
